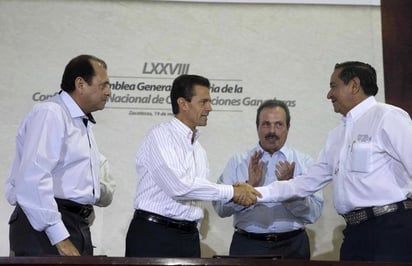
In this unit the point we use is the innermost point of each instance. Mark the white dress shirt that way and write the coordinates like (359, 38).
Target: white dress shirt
(269, 217)
(173, 174)
(368, 156)
(56, 157)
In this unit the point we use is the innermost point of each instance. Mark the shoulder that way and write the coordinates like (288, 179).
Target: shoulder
(158, 133)
(48, 109)
(160, 129)
(241, 157)
(384, 109)
(54, 102)
(294, 153)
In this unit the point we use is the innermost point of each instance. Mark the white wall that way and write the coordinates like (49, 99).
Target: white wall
(269, 50)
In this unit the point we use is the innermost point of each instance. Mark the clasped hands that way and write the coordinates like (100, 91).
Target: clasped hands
(244, 194)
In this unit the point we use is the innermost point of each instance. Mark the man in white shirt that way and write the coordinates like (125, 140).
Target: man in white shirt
(270, 229)
(173, 173)
(54, 180)
(368, 156)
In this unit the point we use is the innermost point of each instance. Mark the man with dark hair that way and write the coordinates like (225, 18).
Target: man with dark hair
(368, 156)
(54, 180)
(173, 172)
(268, 229)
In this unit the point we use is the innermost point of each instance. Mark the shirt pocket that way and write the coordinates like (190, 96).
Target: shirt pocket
(360, 157)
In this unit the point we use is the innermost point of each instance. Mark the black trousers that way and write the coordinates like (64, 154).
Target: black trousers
(26, 241)
(386, 238)
(148, 239)
(296, 247)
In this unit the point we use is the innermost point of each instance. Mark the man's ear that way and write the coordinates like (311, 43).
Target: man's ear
(356, 86)
(79, 83)
(182, 103)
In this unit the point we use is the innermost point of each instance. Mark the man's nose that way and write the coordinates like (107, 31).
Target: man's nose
(272, 128)
(329, 95)
(209, 106)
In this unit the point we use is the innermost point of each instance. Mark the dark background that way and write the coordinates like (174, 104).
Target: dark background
(397, 52)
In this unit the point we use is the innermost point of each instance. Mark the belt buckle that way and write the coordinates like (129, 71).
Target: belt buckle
(381, 210)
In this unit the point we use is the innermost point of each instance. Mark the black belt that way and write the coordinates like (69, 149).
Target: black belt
(83, 211)
(168, 222)
(270, 236)
(362, 215)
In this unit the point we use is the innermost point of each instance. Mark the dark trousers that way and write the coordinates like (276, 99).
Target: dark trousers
(296, 247)
(383, 238)
(25, 241)
(148, 239)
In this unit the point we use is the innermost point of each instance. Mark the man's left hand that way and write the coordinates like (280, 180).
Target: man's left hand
(284, 170)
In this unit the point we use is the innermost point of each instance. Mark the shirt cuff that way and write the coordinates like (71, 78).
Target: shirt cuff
(57, 233)
(226, 192)
(265, 194)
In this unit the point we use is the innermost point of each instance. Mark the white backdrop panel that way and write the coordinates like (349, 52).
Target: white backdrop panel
(261, 51)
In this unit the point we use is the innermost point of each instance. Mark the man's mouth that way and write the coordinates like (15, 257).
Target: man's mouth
(271, 137)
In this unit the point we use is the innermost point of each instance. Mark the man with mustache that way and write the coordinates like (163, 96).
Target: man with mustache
(274, 228)
(368, 157)
(173, 173)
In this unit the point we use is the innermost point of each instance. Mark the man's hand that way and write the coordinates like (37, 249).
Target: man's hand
(66, 248)
(284, 170)
(255, 169)
(245, 194)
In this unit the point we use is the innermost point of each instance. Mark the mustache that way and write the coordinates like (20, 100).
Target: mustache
(271, 135)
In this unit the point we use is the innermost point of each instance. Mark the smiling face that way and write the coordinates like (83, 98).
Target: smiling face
(341, 94)
(195, 112)
(272, 129)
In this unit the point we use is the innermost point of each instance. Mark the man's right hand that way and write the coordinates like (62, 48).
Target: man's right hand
(255, 169)
(245, 194)
(66, 248)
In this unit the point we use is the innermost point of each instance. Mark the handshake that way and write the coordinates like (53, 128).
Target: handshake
(244, 194)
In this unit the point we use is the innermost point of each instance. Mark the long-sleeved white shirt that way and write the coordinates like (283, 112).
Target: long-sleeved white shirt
(173, 173)
(56, 157)
(269, 217)
(368, 156)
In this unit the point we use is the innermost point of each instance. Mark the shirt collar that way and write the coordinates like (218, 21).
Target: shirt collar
(359, 109)
(185, 130)
(74, 108)
(285, 150)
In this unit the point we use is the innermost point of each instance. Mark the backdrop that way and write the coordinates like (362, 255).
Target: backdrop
(250, 52)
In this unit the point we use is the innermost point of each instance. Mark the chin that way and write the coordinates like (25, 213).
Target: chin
(202, 124)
